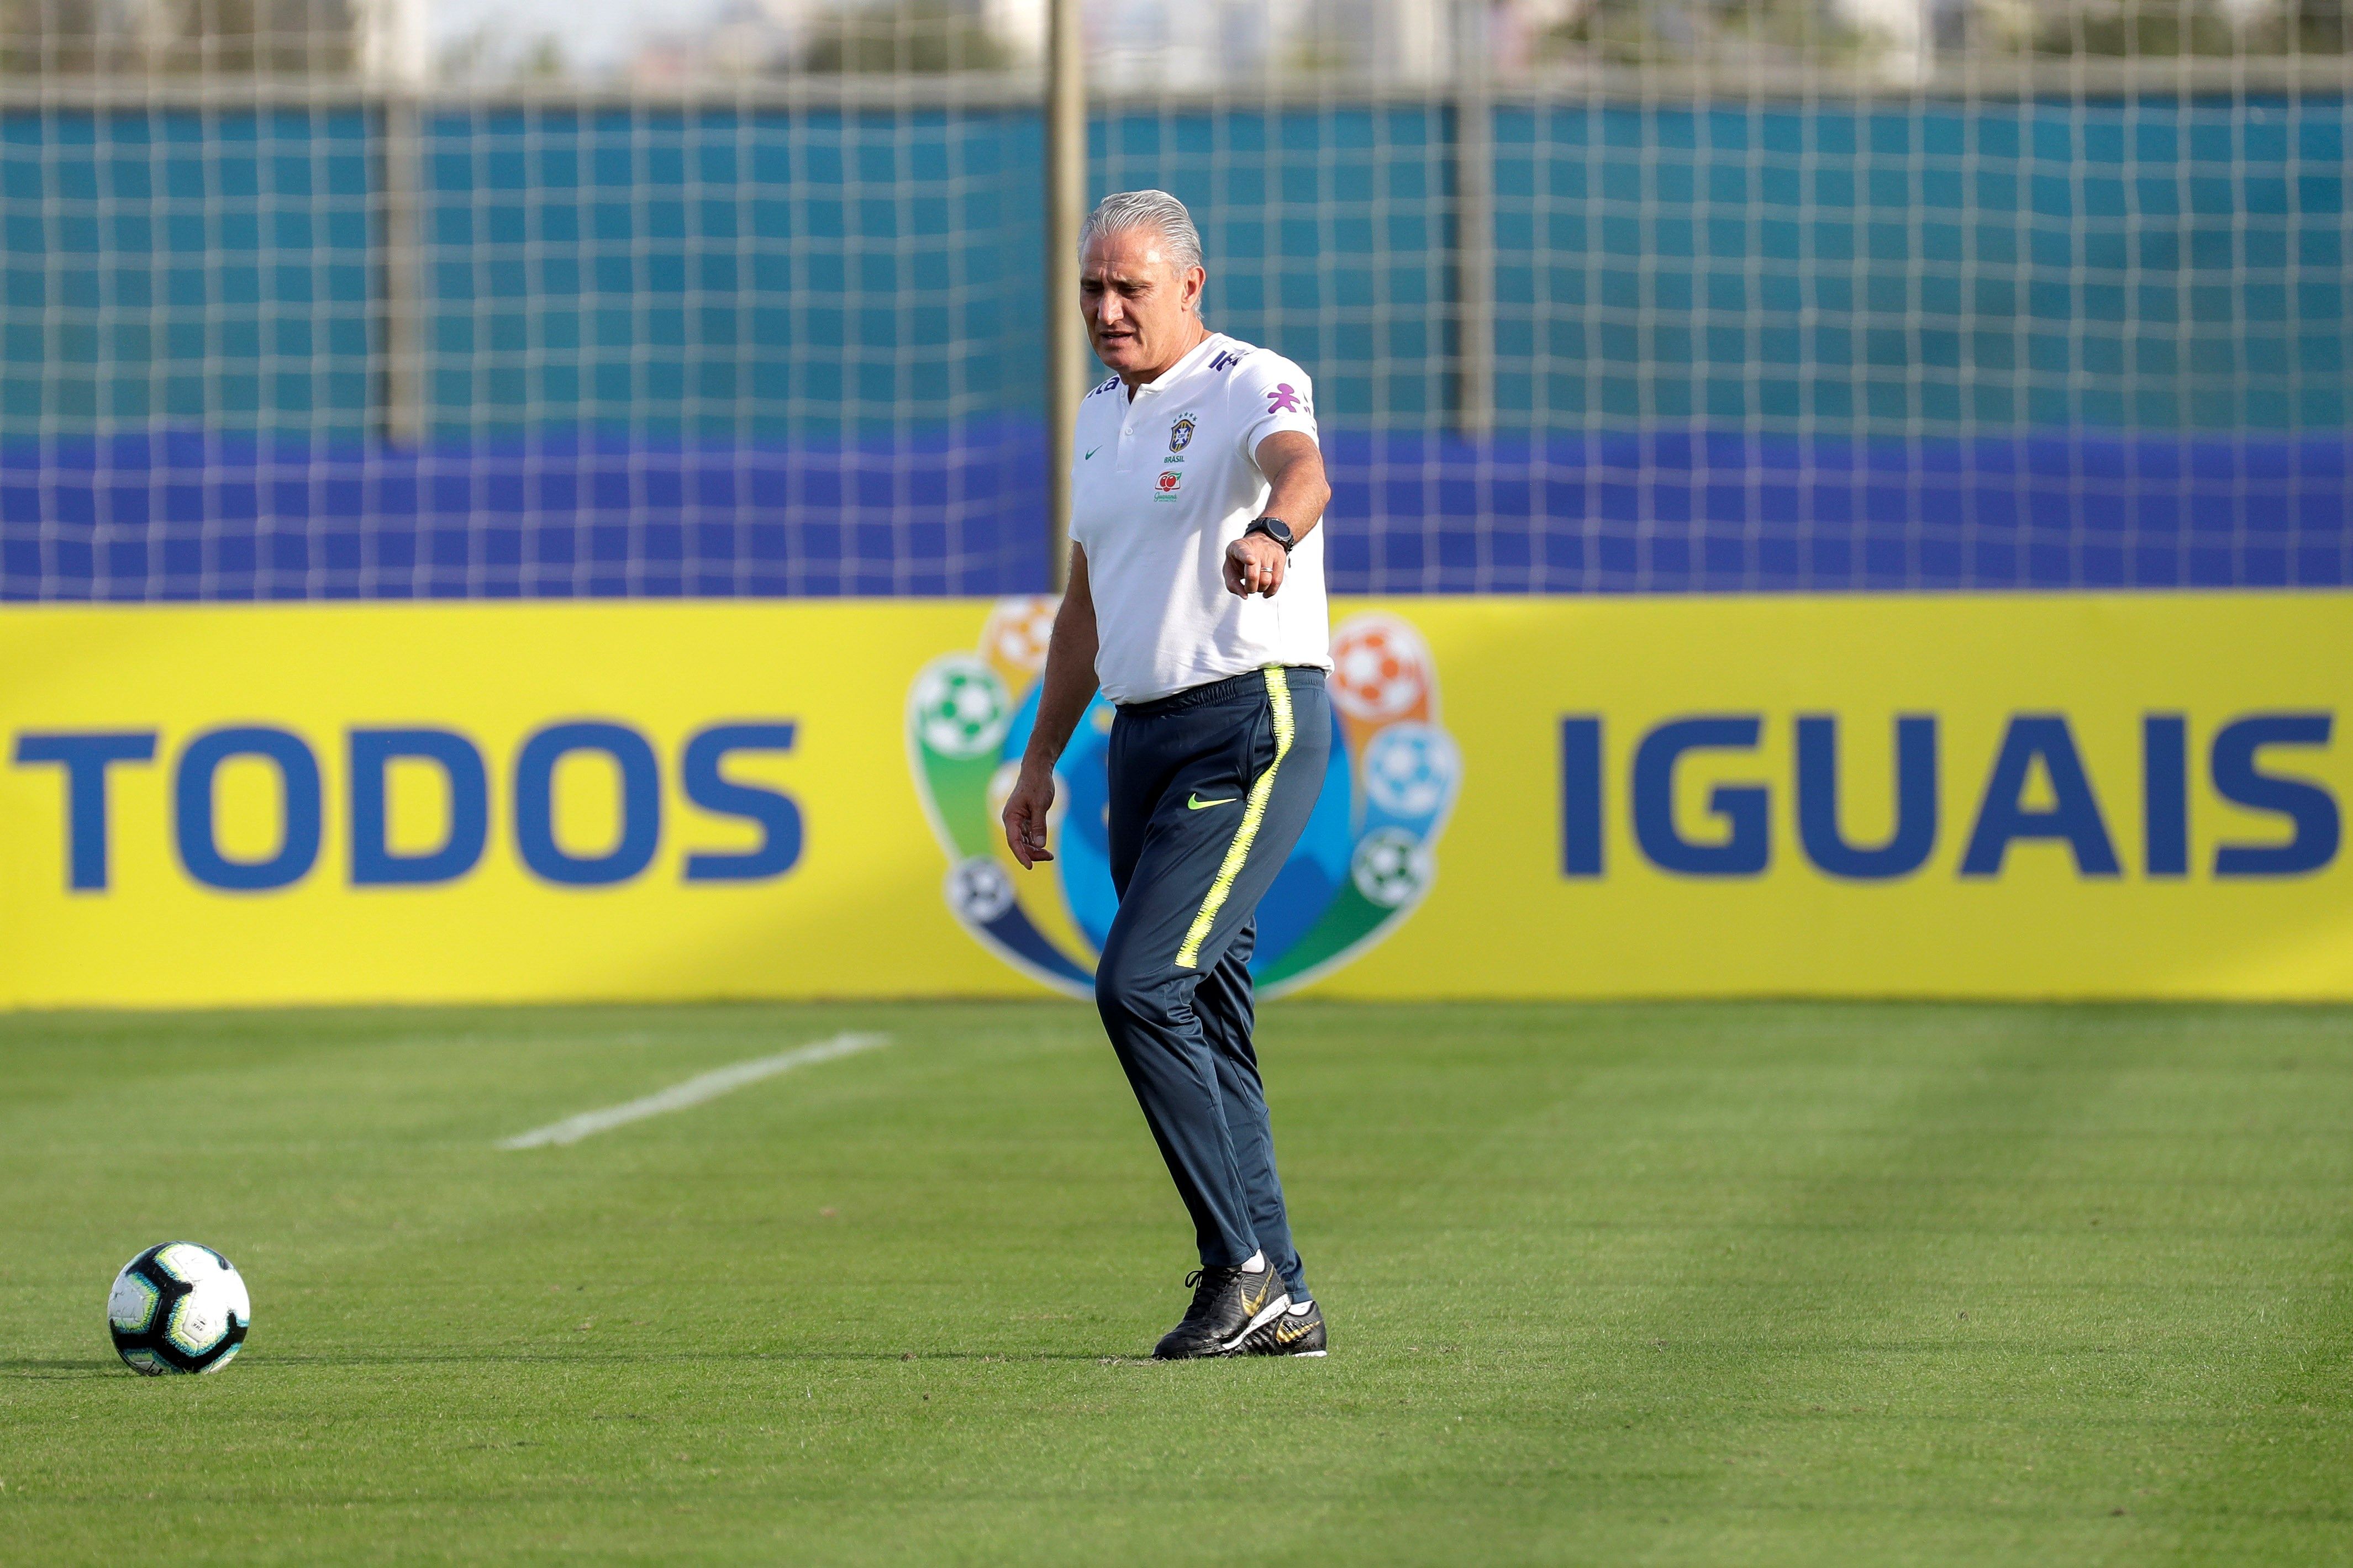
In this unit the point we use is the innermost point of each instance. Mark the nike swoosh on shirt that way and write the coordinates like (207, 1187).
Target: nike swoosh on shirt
(1090, 452)
(1194, 802)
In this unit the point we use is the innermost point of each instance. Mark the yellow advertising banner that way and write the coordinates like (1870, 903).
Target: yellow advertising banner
(2076, 795)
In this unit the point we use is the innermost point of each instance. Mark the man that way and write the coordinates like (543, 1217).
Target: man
(1195, 604)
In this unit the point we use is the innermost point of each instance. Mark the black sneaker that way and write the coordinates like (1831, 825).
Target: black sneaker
(1298, 1330)
(1228, 1303)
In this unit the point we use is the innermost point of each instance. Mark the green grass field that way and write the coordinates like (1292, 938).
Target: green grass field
(1779, 1283)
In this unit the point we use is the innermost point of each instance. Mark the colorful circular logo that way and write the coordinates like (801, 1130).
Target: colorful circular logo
(1364, 861)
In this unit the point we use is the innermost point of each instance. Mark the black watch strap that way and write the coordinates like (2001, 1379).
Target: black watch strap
(1274, 527)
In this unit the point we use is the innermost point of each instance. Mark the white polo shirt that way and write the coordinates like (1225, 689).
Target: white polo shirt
(1161, 483)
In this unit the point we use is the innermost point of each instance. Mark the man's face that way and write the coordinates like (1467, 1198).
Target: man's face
(1139, 306)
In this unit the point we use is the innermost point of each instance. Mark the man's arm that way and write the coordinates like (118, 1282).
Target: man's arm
(1067, 687)
(1294, 467)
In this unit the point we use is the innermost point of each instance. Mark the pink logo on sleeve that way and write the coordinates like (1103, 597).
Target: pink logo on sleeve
(1283, 399)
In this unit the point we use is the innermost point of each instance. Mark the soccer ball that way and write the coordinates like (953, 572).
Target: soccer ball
(1410, 769)
(979, 890)
(1392, 868)
(178, 1306)
(1018, 630)
(961, 708)
(1380, 668)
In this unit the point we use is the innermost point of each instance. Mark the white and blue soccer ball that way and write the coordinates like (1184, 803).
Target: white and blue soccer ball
(1410, 769)
(178, 1306)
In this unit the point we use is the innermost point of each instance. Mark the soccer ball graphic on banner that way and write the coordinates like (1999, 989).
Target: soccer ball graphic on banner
(1364, 861)
(961, 708)
(178, 1306)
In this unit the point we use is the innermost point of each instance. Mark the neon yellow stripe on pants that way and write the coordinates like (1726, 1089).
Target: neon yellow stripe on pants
(1277, 694)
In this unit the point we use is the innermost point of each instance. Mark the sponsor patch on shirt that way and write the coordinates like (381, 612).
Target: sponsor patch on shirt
(1171, 481)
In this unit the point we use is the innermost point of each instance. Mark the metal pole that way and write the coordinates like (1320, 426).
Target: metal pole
(1066, 204)
(1474, 221)
(403, 381)
(392, 51)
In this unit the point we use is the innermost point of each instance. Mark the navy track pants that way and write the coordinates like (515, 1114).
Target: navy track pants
(1209, 790)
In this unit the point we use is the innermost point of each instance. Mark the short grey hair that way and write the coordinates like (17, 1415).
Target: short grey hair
(1146, 209)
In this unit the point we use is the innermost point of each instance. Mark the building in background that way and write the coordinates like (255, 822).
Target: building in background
(743, 39)
(392, 45)
(1189, 44)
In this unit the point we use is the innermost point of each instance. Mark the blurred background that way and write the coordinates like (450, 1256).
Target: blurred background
(1135, 45)
(444, 298)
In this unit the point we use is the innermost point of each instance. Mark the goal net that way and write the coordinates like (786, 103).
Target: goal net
(1598, 298)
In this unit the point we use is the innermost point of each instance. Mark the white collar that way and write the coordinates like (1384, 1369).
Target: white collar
(1160, 382)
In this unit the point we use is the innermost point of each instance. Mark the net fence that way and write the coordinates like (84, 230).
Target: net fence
(1638, 324)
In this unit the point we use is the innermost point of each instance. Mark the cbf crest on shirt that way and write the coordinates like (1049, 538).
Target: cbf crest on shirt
(1163, 482)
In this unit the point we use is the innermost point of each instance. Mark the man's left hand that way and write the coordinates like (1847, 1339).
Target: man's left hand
(1255, 565)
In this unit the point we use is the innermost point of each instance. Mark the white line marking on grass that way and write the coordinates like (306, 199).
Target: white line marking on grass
(693, 1091)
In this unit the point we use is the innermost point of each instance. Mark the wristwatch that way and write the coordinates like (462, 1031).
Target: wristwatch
(1274, 527)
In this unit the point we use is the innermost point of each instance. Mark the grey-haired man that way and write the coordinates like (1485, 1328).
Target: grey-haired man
(1197, 606)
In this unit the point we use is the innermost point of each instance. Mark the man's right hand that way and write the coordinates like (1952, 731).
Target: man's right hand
(1025, 815)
